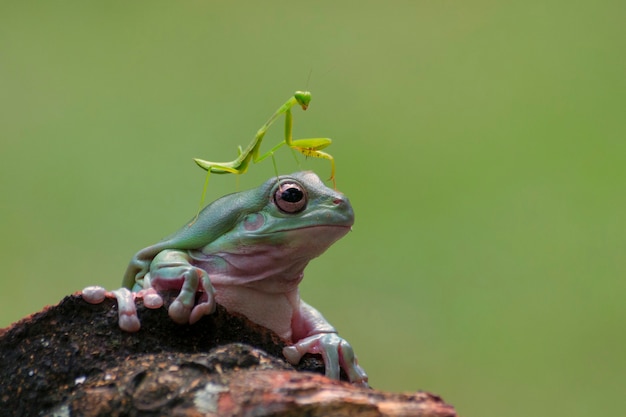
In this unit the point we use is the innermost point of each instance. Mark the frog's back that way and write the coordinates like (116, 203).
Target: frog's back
(213, 221)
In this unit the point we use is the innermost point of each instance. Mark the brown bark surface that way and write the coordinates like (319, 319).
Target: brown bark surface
(72, 359)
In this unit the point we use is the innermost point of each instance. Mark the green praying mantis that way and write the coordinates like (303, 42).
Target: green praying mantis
(308, 147)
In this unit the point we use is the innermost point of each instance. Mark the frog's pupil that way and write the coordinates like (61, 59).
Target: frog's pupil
(292, 195)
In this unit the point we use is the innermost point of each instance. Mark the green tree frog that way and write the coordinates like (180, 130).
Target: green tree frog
(247, 251)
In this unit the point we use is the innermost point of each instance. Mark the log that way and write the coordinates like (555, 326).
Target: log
(72, 359)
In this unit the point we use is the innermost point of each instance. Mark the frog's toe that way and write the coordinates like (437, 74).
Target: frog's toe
(181, 307)
(127, 312)
(292, 354)
(200, 311)
(179, 312)
(205, 306)
(330, 354)
(359, 377)
(349, 363)
(94, 294)
(129, 323)
(151, 298)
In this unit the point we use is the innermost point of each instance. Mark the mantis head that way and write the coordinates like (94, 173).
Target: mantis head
(303, 98)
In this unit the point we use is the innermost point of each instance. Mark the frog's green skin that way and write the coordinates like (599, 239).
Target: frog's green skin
(247, 251)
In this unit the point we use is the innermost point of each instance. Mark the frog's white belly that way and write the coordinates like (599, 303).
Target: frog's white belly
(274, 311)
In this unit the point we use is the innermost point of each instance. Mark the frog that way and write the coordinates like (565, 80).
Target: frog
(247, 251)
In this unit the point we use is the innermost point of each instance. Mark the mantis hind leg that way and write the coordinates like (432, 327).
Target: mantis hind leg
(202, 198)
(319, 154)
(275, 166)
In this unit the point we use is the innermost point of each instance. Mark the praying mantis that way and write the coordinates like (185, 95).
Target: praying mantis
(308, 147)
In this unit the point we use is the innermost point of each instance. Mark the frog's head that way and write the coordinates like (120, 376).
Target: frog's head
(300, 214)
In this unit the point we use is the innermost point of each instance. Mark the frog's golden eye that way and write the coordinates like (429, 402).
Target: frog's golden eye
(290, 197)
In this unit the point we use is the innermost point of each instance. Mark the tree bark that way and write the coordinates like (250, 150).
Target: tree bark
(72, 359)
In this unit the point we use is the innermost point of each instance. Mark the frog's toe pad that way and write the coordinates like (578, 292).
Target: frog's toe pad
(292, 354)
(179, 313)
(94, 294)
(151, 299)
(201, 310)
(129, 323)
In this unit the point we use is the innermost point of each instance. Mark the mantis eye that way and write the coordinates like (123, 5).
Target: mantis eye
(290, 197)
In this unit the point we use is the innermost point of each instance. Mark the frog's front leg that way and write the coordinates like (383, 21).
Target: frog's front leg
(315, 335)
(172, 270)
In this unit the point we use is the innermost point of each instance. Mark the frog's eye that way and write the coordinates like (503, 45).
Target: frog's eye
(290, 197)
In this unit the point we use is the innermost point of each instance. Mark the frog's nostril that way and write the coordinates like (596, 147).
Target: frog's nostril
(338, 201)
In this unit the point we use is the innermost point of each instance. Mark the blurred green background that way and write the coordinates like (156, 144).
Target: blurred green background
(482, 145)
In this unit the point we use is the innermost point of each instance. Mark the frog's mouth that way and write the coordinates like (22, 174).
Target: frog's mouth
(317, 226)
(312, 240)
(314, 231)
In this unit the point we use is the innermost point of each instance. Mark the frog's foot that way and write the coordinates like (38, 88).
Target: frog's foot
(127, 311)
(336, 352)
(191, 281)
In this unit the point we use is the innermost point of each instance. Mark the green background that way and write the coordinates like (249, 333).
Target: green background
(482, 145)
